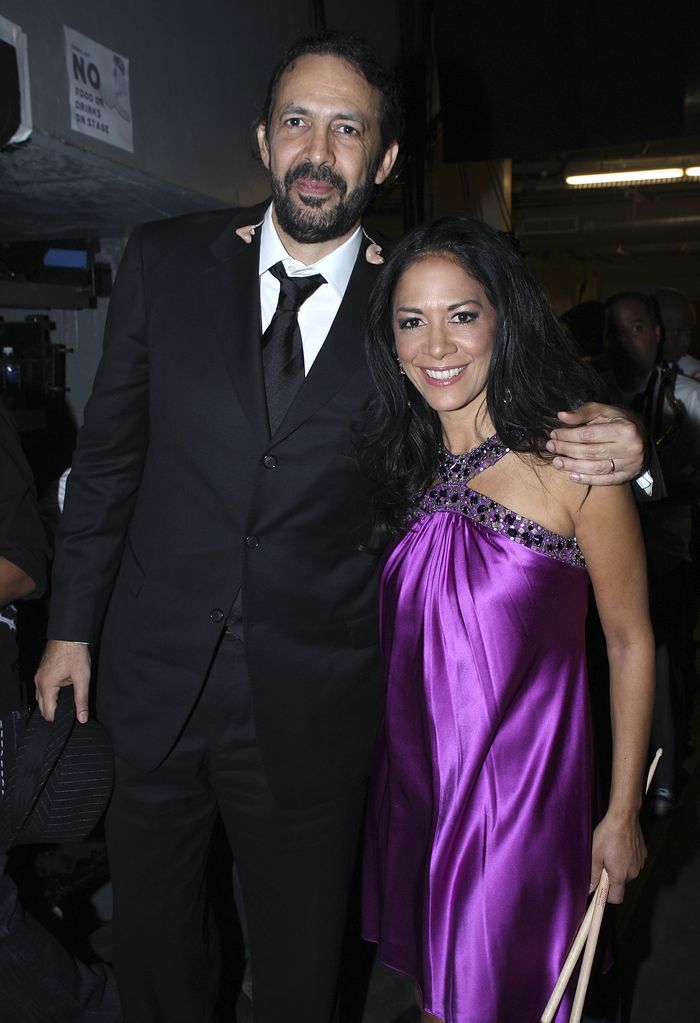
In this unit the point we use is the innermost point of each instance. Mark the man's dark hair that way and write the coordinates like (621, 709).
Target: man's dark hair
(534, 371)
(635, 296)
(356, 52)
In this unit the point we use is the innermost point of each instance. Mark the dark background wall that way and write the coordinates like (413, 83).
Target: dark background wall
(523, 79)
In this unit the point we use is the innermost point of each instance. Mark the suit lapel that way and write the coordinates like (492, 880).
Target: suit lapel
(231, 296)
(342, 353)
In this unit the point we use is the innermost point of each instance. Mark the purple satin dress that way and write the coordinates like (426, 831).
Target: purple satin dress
(478, 844)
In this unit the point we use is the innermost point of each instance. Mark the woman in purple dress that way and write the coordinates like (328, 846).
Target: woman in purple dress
(479, 852)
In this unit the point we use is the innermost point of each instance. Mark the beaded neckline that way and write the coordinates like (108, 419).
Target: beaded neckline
(451, 492)
(461, 468)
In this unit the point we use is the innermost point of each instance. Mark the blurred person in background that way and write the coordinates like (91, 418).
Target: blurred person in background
(677, 319)
(24, 554)
(669, 404)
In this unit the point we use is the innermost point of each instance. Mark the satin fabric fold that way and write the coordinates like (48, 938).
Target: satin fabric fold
(478, 843)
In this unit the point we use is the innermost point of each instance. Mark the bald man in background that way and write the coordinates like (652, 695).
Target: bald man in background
(677, 317)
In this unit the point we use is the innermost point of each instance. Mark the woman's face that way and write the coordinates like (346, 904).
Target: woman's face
(444, 330)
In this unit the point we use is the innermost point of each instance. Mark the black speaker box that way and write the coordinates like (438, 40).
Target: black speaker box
(9, 92)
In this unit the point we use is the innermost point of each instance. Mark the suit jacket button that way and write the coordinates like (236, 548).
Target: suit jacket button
(217, 615)
(252, 542)
(270, 462)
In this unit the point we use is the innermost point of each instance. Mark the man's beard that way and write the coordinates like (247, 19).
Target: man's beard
(316, 224)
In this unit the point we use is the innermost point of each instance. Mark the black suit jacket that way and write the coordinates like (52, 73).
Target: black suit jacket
(178, 497)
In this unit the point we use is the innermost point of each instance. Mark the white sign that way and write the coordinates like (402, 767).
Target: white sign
(98, 91)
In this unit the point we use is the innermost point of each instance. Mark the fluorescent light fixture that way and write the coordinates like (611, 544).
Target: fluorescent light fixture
(692, 172)
(626, 177)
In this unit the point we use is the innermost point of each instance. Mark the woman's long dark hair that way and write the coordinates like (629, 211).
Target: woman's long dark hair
(534, 372)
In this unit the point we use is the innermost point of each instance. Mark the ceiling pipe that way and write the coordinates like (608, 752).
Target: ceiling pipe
(677, 228)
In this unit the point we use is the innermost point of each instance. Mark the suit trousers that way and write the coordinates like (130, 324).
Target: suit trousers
(295, 867)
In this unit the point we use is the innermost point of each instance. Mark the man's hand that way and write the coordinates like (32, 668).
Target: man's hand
(599, 445)
(63, 664)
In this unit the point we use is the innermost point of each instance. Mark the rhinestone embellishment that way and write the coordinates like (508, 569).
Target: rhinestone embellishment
(452, 493)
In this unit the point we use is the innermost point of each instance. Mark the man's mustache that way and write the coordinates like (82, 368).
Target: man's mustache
(312, 173)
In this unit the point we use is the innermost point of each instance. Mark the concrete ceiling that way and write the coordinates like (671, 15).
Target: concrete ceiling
(600, 220)
(50, 189)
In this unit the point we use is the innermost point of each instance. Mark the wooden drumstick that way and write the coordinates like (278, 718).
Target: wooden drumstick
(568, 967)
(583, 933)
(601, 897)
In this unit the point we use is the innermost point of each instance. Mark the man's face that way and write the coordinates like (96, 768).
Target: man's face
(322, 148)
(678, 320)
(638, 336)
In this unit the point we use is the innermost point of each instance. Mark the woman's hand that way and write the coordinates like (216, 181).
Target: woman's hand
(618, 845)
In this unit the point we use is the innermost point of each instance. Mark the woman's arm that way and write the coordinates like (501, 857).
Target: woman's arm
(608, 531)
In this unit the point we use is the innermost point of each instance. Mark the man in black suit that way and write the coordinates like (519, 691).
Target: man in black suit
(216, 537)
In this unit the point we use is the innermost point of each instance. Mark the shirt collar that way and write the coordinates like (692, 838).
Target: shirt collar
(336, 267)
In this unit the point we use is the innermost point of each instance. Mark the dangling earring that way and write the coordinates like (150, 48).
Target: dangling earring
(507, 396)
(402, 371)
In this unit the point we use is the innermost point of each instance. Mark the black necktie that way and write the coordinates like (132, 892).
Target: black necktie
(283, 355)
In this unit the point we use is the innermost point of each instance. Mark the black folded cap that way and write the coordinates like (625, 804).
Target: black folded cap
(55, 778)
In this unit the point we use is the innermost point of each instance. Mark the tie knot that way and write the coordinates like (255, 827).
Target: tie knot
(294, 291)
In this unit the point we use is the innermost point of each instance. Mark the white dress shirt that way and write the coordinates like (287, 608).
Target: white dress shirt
(690, 366)
(318, 312)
